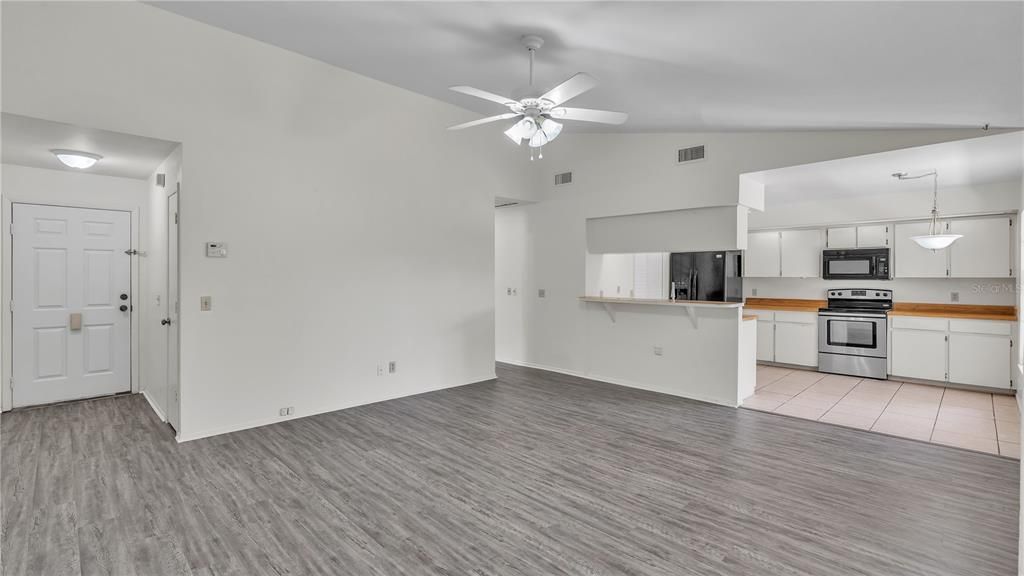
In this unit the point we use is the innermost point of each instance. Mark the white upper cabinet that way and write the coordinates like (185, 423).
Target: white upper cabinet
(762, 256)
(875, 236)
(845, 237)
(800, 253)
(984, 250)
(913, 261)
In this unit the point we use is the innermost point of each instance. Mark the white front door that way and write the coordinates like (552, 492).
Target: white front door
(71, 303)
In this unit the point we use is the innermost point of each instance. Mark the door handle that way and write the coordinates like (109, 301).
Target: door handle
(123, 307)
(75, 321)
(165, 321)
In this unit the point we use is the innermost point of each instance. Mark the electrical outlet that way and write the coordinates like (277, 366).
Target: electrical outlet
(658, 351)
(380, 369)
(618, 289)
(515, 292)
(287, 411)
(205, 303)
(508, 291)
(954, 296)
(753, 291)
(392, 367)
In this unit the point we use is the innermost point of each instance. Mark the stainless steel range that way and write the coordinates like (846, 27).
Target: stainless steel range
(852, 332)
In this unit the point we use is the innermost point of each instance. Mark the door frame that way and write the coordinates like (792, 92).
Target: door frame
(173, 384)
(7, 290)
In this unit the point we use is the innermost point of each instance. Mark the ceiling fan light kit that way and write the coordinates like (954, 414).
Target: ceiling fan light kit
(534, 116)
(934, 240)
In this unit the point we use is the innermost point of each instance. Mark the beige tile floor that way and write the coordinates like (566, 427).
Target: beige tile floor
(973, 420)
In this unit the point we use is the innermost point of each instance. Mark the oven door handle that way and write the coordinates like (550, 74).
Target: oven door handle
(867, 318)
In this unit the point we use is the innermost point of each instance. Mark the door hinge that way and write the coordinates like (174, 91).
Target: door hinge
(175, 217)
(947, 337)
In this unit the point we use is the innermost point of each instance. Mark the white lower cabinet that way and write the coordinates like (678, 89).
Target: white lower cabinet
(918, 353)
(787, 337)
(765, 335)
(796, 338)
(973, 352)
(980, 353)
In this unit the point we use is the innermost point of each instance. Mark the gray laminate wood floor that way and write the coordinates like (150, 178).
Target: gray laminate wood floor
(535, 473)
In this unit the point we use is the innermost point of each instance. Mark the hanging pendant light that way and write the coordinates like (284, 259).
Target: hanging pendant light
(934, 240)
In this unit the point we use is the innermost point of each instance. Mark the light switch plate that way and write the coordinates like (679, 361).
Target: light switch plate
(954, 296)
(216, 250)
(205, 303)
(541, 293)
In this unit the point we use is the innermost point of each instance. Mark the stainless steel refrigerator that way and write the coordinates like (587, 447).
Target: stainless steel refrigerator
(714, 276)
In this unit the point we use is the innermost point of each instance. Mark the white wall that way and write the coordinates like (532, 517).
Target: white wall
(154, 283)
(359, 229)
(997, 197)
(637, 173)
(77, 189)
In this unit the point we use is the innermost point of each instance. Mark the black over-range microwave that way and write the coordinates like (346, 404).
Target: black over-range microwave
(855, 264)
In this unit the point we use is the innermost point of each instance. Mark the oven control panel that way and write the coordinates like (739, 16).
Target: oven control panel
(860, 294)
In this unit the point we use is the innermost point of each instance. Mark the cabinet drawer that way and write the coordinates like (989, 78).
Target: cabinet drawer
(919, 323)
(995, 327)
(762, 315)
(796, 317)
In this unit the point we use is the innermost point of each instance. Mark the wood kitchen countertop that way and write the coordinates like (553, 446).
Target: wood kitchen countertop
(959, 311)
(786, 304)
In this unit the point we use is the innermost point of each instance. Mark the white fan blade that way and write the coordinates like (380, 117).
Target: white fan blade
(588, 115)
(487, 120)
(570, 89)
(470, 91)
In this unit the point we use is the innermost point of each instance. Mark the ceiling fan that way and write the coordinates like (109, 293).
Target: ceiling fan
(535, 115)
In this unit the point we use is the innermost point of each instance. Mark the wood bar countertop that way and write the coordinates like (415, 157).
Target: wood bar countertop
(661, 302)
(959, 311)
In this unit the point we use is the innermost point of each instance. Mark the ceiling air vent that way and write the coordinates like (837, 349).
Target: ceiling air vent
(690, 154)
(563, 178)
(500, 203)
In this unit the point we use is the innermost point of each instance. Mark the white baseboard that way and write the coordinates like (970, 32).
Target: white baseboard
(154, 406)
(619, 382)
(653, 388)
(184, 437)
(545, 367)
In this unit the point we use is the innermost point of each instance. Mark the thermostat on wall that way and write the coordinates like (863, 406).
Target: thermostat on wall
(216, 250)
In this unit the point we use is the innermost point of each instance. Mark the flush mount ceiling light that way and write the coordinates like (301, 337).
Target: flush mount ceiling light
(534, 114)
(934, 240)
(76, 159)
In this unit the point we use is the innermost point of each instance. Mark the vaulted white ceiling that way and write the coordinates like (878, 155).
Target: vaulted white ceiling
(678, 66)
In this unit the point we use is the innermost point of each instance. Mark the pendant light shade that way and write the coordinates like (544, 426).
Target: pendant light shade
(934, 240)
